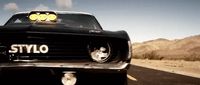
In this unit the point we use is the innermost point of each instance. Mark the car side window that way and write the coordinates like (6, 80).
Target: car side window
(17, 21)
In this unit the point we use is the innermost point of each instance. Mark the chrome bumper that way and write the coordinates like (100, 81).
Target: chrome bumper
(116, 66)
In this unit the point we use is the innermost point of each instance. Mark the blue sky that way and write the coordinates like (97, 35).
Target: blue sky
(142, 19)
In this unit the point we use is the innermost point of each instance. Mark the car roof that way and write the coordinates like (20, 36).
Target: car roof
(60, 12)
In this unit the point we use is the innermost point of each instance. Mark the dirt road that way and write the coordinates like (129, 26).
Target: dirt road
(143, 72)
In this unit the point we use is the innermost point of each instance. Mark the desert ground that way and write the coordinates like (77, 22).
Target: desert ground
(189, 68)
(163, 72)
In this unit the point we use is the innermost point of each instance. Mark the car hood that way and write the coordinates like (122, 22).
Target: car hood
(61, 29)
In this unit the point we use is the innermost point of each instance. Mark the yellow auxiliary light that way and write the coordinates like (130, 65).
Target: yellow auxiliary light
(33, 17)
(52, 17)
(42, 17)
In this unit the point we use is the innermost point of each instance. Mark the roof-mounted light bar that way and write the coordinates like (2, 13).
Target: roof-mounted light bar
(43, 16)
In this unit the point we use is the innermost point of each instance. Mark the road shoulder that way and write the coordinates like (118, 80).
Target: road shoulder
(187, 68)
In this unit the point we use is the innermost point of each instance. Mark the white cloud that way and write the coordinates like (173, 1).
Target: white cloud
(64, 4)
(11, 7)
(41, 7)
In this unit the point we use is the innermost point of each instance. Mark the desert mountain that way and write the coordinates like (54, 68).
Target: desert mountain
(170, 49)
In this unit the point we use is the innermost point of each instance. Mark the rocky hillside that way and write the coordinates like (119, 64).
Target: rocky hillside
(187, 48)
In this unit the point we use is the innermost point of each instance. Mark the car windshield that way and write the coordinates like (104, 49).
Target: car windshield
(68, 20)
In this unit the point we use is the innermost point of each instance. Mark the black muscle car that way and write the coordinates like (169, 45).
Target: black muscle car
(62, 48)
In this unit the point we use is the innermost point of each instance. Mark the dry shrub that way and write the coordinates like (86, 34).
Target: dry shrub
(192, 57)
(149, 55)
(153, 55)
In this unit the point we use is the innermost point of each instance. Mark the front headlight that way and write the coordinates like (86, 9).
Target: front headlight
(100, 52)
